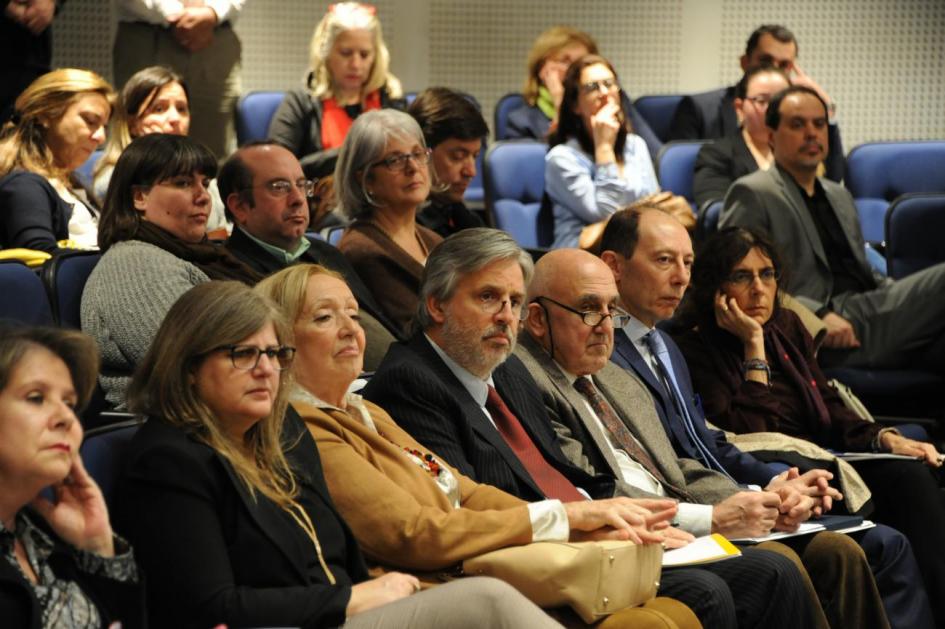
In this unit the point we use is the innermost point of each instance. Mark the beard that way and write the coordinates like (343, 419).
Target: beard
(468, 346)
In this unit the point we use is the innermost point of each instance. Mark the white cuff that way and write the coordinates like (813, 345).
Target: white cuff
(695, 519)
(549, 521)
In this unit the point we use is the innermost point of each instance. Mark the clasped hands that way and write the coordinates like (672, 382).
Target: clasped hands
(639, 520)
(193, 27)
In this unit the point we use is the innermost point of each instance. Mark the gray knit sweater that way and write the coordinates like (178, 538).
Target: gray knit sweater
(124, 302)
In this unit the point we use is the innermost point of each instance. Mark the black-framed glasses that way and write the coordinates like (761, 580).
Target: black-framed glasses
(743, 279)
(595, 86)
(592, 318)
(761, 100)
(398, 161)
(246, 357)
(282, 187)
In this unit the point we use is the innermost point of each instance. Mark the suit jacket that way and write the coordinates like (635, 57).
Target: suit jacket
(390, 273)
(215, 554)
(743, 467)
(34, 216)
(400, 516)
(323, 253)
(585, 444)
(115, 600)
(710, 115)
(418, 389)
(771, 202)
(718, 165)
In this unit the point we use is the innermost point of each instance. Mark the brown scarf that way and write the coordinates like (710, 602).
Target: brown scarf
(212, 259)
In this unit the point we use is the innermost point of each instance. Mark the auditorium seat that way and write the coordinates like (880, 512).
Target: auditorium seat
(24, 296)
(65, 275)
(506, 105)
(675, 168)
(514, 175)
(915, 227)
(254, 111)
(103, 452)
(658, 110)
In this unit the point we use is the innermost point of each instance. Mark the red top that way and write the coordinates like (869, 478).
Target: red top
(336, 121)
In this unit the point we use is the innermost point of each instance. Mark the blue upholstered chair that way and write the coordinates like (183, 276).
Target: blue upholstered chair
(915, 227)
(254, 111)
(24, 296)
(84, 172)
(878, 172)
(103, 452)
(65, 275)
(658, 110)
(506, 105)
(675, 167)
(514, 174)
(707, 220)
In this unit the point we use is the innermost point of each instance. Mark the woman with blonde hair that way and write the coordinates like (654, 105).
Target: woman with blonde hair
(348, 75)
(225, 497)
(58, 121)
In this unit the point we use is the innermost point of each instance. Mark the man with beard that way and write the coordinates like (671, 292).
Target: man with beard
(871, 320)
(456, 387)
(266, 196)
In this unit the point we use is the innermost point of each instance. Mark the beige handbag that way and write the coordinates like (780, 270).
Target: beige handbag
(595, 578)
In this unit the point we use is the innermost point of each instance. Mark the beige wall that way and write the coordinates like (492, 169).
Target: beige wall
(882, 62)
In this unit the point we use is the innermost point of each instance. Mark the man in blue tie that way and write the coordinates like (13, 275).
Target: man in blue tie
(650, 255)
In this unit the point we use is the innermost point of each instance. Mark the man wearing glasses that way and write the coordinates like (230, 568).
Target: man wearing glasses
(266, 196)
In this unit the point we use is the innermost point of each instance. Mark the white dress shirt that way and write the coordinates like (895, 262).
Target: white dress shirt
(157, 11)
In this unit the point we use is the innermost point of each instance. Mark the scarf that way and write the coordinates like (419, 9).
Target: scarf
(214, 260)
(545, 103)
(336, 121)
(790, 361)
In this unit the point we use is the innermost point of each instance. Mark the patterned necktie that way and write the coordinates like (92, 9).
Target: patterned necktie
(623, 438)
(668, 377)
(551, 482)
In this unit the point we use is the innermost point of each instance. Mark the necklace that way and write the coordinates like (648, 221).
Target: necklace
(301, 517)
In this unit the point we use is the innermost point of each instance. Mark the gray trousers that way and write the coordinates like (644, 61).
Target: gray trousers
(212, 76)
(900, 325)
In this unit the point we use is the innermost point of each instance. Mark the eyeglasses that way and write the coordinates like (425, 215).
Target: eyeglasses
(593, 318)
(247, 356)
(595, 86)
(398, 161)
(761, 101)
(491, 304)
(282, 187)
(743, 279)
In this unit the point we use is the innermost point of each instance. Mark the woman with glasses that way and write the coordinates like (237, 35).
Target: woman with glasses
(406, 506)
(382, 179)
(153, 234)
(348, 75)
(724, 160)
(754, 366)
(596, 165)
(224, 494)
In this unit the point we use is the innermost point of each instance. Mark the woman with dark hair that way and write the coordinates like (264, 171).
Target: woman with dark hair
(153, 233)
(58, 121)
(754, 366)
(224, 493)
(62, 564)
(596, 165)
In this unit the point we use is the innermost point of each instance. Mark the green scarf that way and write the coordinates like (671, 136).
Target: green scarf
(545, 103)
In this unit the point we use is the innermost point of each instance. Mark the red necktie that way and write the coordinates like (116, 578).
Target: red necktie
(551, 482)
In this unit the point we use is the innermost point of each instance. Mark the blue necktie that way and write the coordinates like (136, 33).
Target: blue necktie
(658, 348)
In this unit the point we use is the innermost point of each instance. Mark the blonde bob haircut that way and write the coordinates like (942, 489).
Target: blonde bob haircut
(288, 288)
(23, 138)
(548, 43)
(349, 16)
(205, 318)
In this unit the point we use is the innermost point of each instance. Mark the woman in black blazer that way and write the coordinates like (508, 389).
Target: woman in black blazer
(234, 529)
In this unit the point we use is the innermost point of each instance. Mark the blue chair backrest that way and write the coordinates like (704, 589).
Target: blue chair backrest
(676, 166)
(84, 172)
(707, 223)
(22, 295)
(254, 111)
(332, 235)
(658, 110)
(515, 183)
(65, 276)
(915, 224)
(872, 215)
(506, 105)
(103, 454)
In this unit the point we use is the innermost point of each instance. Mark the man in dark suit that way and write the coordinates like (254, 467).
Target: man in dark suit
(266, 197)
(871, 321)
(457, 388)
(649, 254)
(606, 420)
(711, 114)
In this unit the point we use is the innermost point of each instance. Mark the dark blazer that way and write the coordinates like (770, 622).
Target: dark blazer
(771, 202)
(528, 121)
(743, 467)
(423, 396)
(718, 165)
(391, 274)
(297, 125)
(321, 253)
(448, 217)
(214, 554)
(586, 445)
(32, 214)
(710, 115)
(114, 600)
